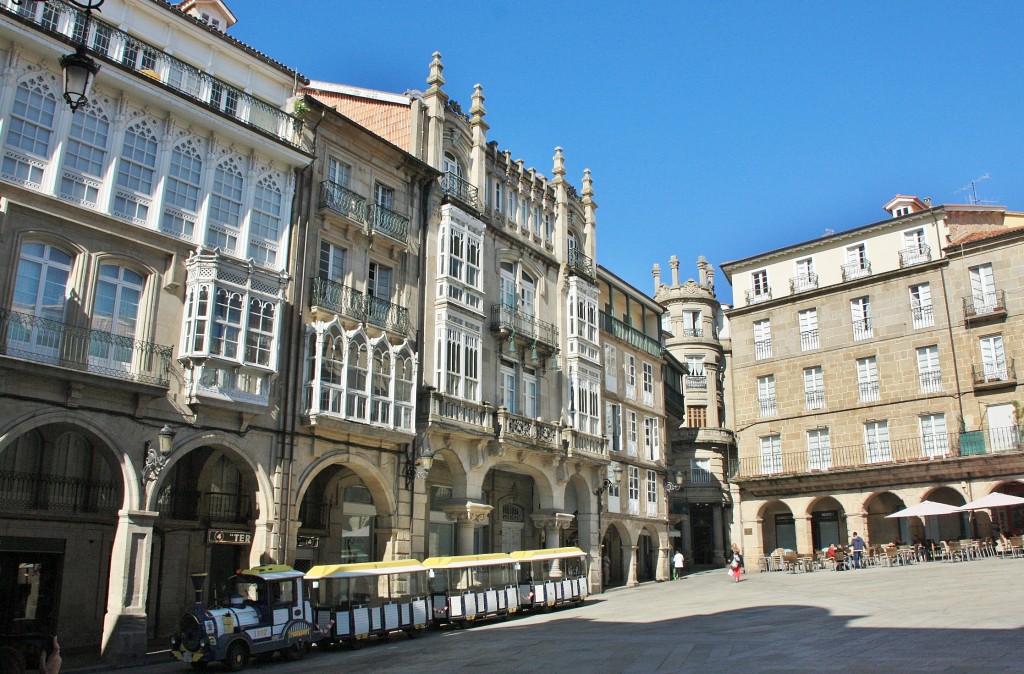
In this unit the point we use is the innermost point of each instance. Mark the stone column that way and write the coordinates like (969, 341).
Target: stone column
(124, 625)
(858, 523)
(262, 549)
(551, 523)
(289, 547)
(385, 544)
(466, 515)
(661, 572)
(629, 560)
(716, 530)
(804, 534)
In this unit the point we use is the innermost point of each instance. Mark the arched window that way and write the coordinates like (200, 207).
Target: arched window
(85, 155)
(451, 165)
(259, 333)
(265, 221)
(380, 411)
(181, 191)
(29, 132)
(356, 379)
(136, 171)
(332, 374)
(527, 295)
(115, 312)
(40, 292)
(225, 214)
(403, 390)
(227, 324)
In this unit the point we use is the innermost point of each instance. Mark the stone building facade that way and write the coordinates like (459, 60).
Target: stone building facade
(874, 368)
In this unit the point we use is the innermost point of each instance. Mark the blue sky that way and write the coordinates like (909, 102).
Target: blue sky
(712, 128)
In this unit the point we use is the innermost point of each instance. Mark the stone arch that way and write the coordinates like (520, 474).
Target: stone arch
(647, 546)
(90, 426)
(541, 479)
(456, 469)
(881, 529)
(827, 518)
(778, 528)
(946, 527)
(616, 550)
(220, 441)
(579, 499)
(365, 470)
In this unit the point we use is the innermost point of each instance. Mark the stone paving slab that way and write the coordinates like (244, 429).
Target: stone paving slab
(935, 617)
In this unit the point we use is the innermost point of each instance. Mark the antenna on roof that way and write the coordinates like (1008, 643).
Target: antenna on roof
(972, 189)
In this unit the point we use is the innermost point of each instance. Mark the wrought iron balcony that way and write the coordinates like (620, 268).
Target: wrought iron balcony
(762, 349)
(758, 296)
(42, 340)
(461, 189)
(923, 316)
(692, 332)
(862, 329)
(810, 340)
(107, 44)
(580, 264)
(915, 255)
(994, 375)
(192, 506)
(341, 299)
(855, 270)
(931, 382)
(814, 399)
(390, 223)
(869, 391)
(695, 382)
(53, 493)
(768, 407)
(803, 283)
(523, 325)
(343, 201)
(985, 304)
(627, 333)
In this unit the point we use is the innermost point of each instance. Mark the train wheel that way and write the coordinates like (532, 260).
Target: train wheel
(237, 656)
(296, 651)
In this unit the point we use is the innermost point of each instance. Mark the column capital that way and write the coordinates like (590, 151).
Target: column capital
(470, 511)
(552, 520)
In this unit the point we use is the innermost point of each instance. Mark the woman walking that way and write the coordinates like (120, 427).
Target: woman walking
(736, 565)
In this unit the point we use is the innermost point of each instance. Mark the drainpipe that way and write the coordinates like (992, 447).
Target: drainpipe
(949, 325)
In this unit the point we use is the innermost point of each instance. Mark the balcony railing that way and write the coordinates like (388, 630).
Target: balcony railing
(524, 325)
(924, 316)
(758, 296)
(862, 329)
(762, 349)
(800, 284)
(814, 399)
(192, 506)
(390, 223)
(442, 407)
(928, 447)
(915, 255)
(767, 406)
(695, 382)
(985, 304)
(809, 340)
(692, 332)
(42, 340)
(32, 491)
(627, 333)
(108, 44)
(931, 382)
(580, 264)
(701, 476)
(584, 444)
(855, 270)
(341, 299)
(994, 375)
(343, 201)
(514, 427)
(869, 391)
(461, 189)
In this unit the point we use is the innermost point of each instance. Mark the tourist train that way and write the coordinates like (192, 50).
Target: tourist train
(274, 608)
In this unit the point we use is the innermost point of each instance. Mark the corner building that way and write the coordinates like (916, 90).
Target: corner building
(875, 368)
(145, 244)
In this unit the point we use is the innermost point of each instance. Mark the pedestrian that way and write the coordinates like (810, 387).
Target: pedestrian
(857, 545)
(736, 565)
(678, 564)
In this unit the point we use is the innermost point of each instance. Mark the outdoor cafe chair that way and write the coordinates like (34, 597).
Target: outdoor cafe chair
(839, 562)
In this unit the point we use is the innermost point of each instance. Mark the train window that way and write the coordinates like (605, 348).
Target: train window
(282, 593)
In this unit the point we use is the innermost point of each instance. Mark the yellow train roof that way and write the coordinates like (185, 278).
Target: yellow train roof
(364, 569)
(549, 553)
(272, 571)
(465, 561)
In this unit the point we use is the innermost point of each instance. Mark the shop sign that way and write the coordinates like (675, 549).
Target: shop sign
(308, 542)
(228, 537)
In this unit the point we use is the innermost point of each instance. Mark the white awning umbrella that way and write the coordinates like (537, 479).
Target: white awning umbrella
(926, 509)
(994, 500)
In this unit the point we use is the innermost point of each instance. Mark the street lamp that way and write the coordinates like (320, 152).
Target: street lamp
(418, 461)
(676, 483)
(79, 68)
(156, 459)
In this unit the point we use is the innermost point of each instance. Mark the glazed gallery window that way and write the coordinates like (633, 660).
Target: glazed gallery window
(85, 156)
(182, 190)
(586, 388)
(225, 212)
(136, 173)
(265, 221)
(29, 133)
(230, 324)
(459, 261)
(458, 357)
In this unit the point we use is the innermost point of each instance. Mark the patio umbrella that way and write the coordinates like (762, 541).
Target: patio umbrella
(994, 500)
(926, 509)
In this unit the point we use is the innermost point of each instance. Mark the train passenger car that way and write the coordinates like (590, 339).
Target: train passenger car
(352, 602)
(472, 587)
(552, 577)
(267, 610)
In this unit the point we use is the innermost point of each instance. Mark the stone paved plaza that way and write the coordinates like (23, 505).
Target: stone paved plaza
(935, 617)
